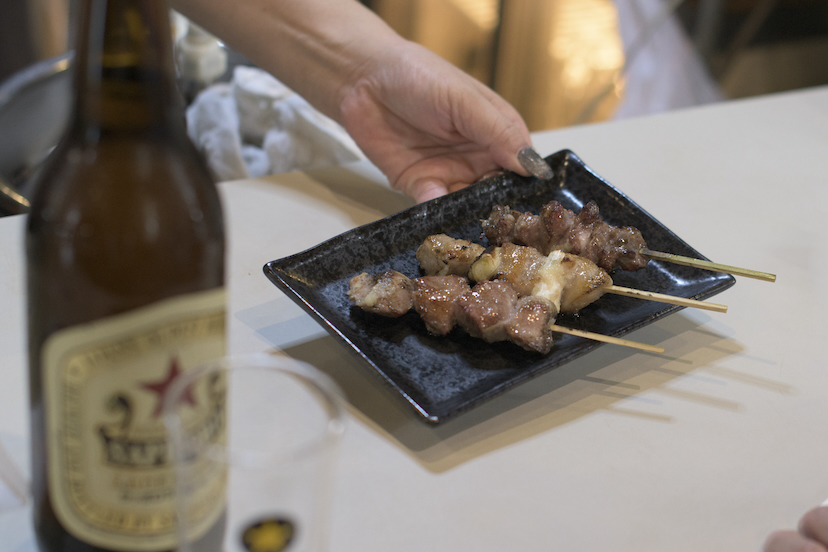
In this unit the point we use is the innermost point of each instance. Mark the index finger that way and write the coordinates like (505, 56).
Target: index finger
(814, 525)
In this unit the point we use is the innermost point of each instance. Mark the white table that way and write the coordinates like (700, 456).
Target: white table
(707, 447)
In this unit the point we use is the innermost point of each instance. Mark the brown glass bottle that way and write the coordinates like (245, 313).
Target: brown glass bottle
(125, 218)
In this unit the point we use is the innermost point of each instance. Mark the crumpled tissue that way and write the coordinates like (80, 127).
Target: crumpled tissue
(255, 125)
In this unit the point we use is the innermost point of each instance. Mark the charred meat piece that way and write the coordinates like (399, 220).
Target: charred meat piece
(441, 255)
(387, 293)
(627, 243)
(529, 328)
(493, 312)
(568, 282)
(589, 236)
(530, 230)
(434, 299)
(499, 228)
(516, 264)
(506, 225)
(585, 234)
(558, 223)
(486, 310)
(586, 283)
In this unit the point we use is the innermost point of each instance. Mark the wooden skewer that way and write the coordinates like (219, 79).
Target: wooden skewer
(662, 298)
(606, 339)
(689, 261)
(486, 267)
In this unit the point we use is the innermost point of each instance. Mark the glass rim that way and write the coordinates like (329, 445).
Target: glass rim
(327, 393)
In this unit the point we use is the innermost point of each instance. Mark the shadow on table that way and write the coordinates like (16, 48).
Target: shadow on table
(364, 183)
(598, 381)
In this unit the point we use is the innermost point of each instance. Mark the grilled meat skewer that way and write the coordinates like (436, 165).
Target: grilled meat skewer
(491, 310)
(587, 235)
(556, 228)
(569, 281)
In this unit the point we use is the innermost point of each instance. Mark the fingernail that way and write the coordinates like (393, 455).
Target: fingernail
(534, 163)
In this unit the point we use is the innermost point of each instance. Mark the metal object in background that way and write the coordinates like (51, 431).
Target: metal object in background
(34, 111)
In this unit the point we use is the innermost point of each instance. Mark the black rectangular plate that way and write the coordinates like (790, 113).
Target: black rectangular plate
(444, 376)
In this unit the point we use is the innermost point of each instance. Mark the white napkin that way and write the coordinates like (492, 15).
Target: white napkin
(256, 160)
(255, 126)
(213, 125)
(258, 97)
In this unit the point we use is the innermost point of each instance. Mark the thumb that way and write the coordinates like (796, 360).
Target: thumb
(426, 190)
(421, 189)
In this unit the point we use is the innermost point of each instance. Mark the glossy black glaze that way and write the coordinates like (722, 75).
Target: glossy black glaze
(444, 376)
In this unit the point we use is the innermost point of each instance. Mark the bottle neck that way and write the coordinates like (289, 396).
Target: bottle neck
(124, 73)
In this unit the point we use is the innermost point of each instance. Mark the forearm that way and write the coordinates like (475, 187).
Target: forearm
(316, 47)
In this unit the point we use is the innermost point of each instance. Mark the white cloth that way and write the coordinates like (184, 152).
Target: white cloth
(665, 72)
(213, 125)
(255, 126)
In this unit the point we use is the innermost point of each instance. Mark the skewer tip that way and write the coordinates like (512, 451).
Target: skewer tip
(607, 339)
(716, 267)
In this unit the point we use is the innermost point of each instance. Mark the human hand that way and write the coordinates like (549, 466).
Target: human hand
(811, 536)
(430, 127)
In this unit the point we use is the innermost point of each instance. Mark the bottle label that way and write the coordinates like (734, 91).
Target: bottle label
(111, 480)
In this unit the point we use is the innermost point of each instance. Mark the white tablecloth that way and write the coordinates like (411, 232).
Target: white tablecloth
(707, 447)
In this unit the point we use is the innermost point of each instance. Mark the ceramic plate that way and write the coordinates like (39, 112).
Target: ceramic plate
(441, 377)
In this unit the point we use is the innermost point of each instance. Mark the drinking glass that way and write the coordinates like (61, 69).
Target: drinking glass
(13, 488)
(253, 439)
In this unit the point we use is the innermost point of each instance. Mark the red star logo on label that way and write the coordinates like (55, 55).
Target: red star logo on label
(160, 388)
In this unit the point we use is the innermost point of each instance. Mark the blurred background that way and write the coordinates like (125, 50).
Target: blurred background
(565, 62)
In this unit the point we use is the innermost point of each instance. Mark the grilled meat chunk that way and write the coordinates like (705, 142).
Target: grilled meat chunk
(586, 283)
(493, 312)
(387, 293)
(569, 282)
(529, 328)
(517, 264)
(486, 310)
(441, 255)
(434, 299)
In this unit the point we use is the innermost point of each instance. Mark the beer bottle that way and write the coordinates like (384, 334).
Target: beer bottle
(125, 274)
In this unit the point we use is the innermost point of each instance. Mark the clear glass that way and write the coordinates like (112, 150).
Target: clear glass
(268, 478)
(13, 486)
